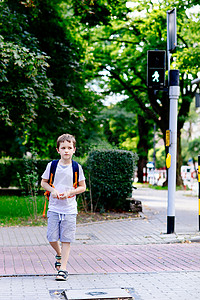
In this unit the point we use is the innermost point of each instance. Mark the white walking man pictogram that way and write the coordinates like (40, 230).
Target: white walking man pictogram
(155, 76)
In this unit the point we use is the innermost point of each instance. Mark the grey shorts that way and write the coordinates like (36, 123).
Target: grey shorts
(61, 227)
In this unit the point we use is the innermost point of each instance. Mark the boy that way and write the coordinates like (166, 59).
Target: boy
(62, 208)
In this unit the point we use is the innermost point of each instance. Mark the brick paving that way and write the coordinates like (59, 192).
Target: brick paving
(141, 286)
(87, 259)
(133, 253)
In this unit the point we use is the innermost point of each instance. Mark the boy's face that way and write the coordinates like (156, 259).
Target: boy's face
(66, 150)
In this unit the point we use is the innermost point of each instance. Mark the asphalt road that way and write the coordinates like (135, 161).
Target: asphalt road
(155, 202)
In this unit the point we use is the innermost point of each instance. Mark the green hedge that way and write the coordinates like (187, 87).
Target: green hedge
(111, 175)
(10, 168)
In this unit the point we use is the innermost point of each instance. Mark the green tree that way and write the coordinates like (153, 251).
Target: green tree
(42, 79)
(24, 86)
(190, 141)
(119, 127)
(118, 52)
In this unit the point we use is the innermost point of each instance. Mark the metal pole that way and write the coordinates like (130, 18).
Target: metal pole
(168, 63)
(154, 153)
(154, 146)
(171, 36)
(199, 186)
(174, 92)
(168, 51)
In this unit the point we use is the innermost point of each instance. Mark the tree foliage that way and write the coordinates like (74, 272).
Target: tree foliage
(119, 127)
(54, 51)
(119, 55)
(42, 82)
(23, 83)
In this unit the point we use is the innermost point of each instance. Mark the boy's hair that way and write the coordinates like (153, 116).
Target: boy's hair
(66, 137)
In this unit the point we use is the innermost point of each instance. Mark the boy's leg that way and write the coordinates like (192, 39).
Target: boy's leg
(65, 255)
(56, 247)
(53, 235)
(62, 273)
(67, 235)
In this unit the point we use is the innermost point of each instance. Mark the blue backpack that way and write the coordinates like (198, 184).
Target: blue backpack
(53, 167)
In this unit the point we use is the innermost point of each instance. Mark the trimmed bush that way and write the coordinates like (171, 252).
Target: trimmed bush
(111, 175)
(10, 168)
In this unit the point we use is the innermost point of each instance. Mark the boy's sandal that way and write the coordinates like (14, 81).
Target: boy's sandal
(62, 275)
(57, 263)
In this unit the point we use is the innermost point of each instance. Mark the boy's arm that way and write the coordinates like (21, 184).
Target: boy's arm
(80, 189)
(47, 187)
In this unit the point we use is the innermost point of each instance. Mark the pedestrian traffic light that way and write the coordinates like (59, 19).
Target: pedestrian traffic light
(156, 69)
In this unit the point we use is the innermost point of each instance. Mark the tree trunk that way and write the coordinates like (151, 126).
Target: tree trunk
(143, 146)
(142, 162)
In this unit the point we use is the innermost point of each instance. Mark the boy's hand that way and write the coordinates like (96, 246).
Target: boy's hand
(55, 194)
(65, 195)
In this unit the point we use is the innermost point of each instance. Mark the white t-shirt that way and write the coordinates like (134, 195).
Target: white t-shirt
(63, 181)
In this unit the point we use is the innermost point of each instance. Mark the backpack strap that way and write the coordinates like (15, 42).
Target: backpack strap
(52, 172)
(75, 169)
(53, 167)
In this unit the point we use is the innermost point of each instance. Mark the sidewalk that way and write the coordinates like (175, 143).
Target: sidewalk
(134, 256)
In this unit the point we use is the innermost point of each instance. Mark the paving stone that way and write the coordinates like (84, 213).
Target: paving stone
(136, 254)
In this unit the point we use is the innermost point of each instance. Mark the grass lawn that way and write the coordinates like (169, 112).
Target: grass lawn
(19, 211)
